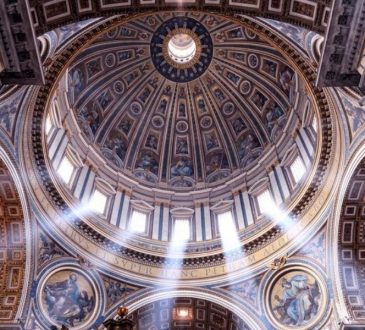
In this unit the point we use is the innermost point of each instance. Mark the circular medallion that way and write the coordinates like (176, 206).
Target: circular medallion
(182, 126)
(253, 61)
(228, 109)
(110, 60)
(136, 108)
(158, 121)
(245, 87)
(206, 122)
(296, 298)
(118, 87)
(68, 296)
(181, 49)
(151, 21)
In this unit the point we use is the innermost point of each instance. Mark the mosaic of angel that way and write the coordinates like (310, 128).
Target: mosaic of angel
(299, 300)
(67, 301)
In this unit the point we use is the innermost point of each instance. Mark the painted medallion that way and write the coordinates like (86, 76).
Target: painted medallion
(68, 298)
(295, 299)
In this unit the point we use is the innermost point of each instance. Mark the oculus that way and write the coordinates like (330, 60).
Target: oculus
(181, 49)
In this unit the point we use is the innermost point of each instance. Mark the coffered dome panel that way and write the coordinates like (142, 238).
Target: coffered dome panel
(190, 127)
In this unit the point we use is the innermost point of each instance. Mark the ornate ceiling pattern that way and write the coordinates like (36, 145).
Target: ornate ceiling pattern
(155, 143)
(351, 245)
(224, 120)
(12, 247)
(116, 248)
(49, 14)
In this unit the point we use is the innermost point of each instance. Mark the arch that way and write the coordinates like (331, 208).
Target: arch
(243, 311)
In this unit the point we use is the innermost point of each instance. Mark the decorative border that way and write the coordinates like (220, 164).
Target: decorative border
(232, 8)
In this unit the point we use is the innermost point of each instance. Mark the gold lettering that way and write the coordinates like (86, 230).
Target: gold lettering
(193, 273)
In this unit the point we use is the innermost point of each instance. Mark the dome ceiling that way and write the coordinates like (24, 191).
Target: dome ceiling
(184, 127)
(108, 127)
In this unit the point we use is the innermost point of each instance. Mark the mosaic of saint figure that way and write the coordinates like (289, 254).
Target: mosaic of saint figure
(183, 167)
(269, 67)
(182, 146)
(76, 84)
(356, 113)
(116, 144)
(211, 141)
(299, 300)
(182, 112)
(274, 112)
(287, 81)
(163, 105)
(90, 119)
(67, 302)
(216, 162)
(201, 105)
(259, 99)
(246, 146)
(147, 162)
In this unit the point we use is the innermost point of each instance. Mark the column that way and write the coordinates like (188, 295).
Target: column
(58, 136)
(116, 211)
(123, 220)
(245, 199)
(60, 152)
(302, 150)
(239, 210)
(275, 187)
(199, 206)
(206, 222)
(306, 141)
(87, 186)
(282, 184)
(165, 223)
(156, 221)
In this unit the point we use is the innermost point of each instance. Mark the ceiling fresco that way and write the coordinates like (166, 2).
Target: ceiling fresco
(152, 144)
(187, 134)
